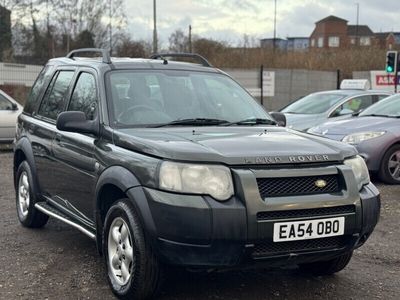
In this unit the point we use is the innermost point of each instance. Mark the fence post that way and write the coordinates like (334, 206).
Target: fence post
(262, 84)
(338, 79)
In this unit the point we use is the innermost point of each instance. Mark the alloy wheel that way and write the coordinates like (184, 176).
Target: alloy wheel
(23, 194)
(121, 258)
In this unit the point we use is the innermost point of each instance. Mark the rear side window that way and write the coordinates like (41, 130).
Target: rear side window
(84, 97)
(54, 99)
(379, 97)
(37, 90)
(4, 103)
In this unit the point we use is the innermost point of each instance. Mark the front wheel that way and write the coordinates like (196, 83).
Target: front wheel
(389, 171)
(328, 267)
(132, 268)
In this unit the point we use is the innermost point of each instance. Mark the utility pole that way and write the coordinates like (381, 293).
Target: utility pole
(190, 39)
(155, 41)
(357, 21)
(274, 41)
(110, 25)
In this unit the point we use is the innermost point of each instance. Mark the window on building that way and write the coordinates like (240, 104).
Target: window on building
(320, 42)
(333, 41)
(365, 41)
(312, 42)
(353, 41)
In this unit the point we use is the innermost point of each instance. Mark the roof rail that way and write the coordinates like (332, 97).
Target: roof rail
(200, 58)
(104, 53)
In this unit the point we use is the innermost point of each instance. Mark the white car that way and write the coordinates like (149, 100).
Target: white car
(9, 112)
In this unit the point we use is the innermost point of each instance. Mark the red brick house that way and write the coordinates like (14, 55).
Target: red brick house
(334, 32)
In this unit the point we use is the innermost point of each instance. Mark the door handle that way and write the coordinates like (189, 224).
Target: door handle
(57, 138)
(31, 128)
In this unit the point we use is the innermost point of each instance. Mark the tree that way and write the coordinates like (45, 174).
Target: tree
(85, 39)
(5, 32)
(178, 42)
(130, 48)
(208, 47)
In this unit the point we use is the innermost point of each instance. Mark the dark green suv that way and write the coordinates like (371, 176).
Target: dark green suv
(171, 163)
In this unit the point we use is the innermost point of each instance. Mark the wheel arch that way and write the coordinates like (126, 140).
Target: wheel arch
(111, 186)
(396, 142)
(23, 152)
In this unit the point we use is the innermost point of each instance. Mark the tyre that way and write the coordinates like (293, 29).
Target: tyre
(133, 271)
(389, 171)
(328, 267)
(28, 215)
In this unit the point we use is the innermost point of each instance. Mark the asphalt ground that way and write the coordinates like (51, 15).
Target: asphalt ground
(58, 262)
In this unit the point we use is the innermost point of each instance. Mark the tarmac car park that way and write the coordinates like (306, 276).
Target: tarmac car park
(166, 163)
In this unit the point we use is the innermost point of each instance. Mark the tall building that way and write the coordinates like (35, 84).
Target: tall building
(5, 30)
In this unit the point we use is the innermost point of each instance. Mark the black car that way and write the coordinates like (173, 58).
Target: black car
(170, 163)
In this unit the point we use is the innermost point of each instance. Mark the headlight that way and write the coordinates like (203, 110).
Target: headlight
(359, 137)
(360, 170)
(213, 180)
(314, 129)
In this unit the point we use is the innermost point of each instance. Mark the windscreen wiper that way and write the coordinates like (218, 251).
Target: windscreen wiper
(377, 115)
(253, 121)
(194, 122)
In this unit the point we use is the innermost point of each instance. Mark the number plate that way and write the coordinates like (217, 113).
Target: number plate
(305, 230)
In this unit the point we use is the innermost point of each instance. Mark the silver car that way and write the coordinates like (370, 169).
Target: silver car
(9, 112)
(376, 135)
(317, 108)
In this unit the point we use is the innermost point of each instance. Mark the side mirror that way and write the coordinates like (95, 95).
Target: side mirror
(14, 106)
(279, 118)
(346, 111)
(75, 121)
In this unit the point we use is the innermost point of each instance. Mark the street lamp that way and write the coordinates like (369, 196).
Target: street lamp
(155, 26)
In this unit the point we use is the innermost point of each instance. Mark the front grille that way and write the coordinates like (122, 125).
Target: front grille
(294, 186)
(267, 248)
(305, 213)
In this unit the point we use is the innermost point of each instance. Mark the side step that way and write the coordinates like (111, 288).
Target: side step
(52, 212)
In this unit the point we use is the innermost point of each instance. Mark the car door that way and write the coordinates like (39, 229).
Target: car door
(351, 106)
(42, 128)
(8, 118)
(74, 153)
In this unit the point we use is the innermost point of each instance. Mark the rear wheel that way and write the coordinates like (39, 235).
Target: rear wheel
(28, 215)
(328, 267)
(133, 270)
(389, 171)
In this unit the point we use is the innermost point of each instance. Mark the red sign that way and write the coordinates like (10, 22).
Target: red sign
(385, 80)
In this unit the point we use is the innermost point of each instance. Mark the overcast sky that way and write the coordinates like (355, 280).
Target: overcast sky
(229, 20)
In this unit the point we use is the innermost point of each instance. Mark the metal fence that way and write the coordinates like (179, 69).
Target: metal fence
(288, 85)
(18, 74)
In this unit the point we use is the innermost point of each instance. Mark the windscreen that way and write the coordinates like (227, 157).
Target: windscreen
(151, 97)
(387, 107)
(314, 104)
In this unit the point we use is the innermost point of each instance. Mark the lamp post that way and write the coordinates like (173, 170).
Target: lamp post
(110, 27)
(155, 42)
(274, 41)
(357, 19)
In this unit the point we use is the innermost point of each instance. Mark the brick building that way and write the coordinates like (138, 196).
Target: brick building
(334, 32)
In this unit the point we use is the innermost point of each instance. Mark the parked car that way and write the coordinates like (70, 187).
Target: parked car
(376, 135)
(317, 108)
(9, 111)
(170, 163)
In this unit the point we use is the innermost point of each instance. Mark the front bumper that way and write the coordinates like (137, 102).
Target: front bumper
(197, 231)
